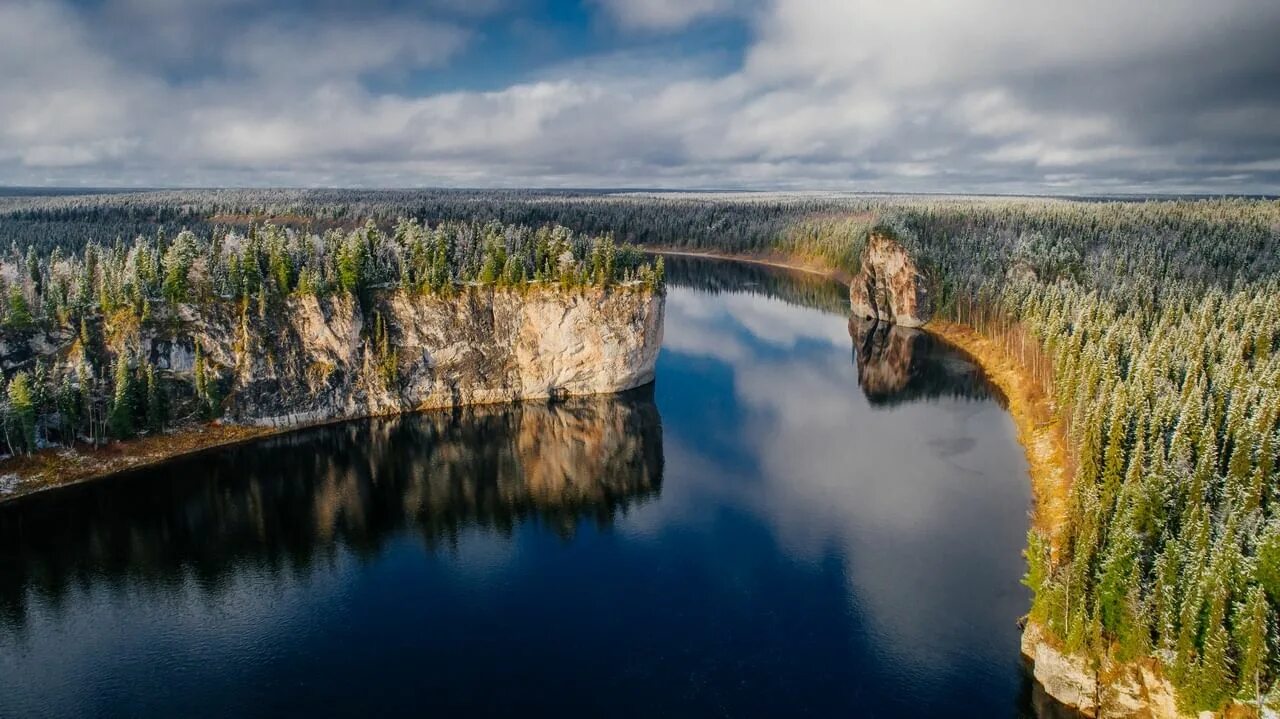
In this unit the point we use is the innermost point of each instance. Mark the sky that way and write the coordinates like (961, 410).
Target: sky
(1089, 96)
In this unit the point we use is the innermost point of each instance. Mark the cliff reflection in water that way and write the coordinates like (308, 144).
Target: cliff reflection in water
(292, 500)
(900, 364)
(812, 553)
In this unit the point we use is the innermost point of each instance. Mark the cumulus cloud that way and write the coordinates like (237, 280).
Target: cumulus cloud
(854, 94)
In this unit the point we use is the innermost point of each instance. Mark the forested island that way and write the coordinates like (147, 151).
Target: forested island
(1144, 336)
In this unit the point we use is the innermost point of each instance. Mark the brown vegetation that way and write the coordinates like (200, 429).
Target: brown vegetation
(62, 467)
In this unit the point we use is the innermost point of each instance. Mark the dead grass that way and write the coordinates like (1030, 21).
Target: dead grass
(62, 467)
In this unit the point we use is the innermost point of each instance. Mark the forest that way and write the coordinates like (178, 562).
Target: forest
(1153, 326)
(89, 295)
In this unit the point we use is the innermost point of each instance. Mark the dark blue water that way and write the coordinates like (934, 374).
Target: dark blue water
(782, 525)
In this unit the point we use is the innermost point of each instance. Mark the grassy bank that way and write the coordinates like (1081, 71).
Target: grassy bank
(63, 467)
(1040, 433)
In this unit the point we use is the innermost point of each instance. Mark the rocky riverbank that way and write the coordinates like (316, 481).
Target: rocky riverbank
(315, 360)
(891, 289)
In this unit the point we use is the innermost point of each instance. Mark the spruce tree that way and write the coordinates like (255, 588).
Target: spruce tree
(120, 418)
(157, 407)
(1252, 621)
(20, 419)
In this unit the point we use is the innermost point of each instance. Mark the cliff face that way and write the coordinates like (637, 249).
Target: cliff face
(313, 359)
(480, 346)
(889, 287)
(1129, 691)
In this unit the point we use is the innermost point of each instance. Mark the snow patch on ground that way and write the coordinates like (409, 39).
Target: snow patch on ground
(8, 484)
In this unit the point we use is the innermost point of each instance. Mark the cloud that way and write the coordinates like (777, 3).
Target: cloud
(661, 14)
(833, 478)
(848, 94)
(324, 52)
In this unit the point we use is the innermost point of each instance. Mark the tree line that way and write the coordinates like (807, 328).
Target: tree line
(1154, 326)
(1160, 326)
(95, 389)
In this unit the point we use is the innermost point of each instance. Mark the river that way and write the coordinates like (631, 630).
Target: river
(797, 518)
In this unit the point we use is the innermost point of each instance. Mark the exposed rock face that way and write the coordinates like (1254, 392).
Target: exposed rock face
(890, 287)
(315, 359)
(481, 346)
(1130, 692)
(17, 351)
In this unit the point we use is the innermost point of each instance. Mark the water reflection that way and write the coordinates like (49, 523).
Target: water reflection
(901, 364)
(803, 289)
(290, 501)
(797, 535)
(901, 466)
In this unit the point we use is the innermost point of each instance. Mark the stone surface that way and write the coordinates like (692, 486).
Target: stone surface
(1132, 691)
(480, 346)
(889, 287)
(316, 359)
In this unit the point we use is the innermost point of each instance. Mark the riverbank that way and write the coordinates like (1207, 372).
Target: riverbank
(1041, 434)
(1132, 690)
(766, 260)
(60, 467)
(1136, 689)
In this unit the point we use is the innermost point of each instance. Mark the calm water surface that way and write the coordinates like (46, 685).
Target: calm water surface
(798, 518)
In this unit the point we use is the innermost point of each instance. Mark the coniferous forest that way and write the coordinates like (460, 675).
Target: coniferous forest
(1152, 326)
(100, 290)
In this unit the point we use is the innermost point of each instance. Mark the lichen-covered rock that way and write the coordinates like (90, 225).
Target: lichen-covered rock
(889, 287)
(20, 350)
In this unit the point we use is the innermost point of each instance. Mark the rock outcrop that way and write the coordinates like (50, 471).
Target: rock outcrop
(1129, 691)
(313, 359)
(889, 287)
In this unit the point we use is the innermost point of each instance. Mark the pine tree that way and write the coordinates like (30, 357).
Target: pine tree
(1267, 563)
(201, 381)
(352, 258)
(69, 409)
(18, 317)
(1214, 679)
